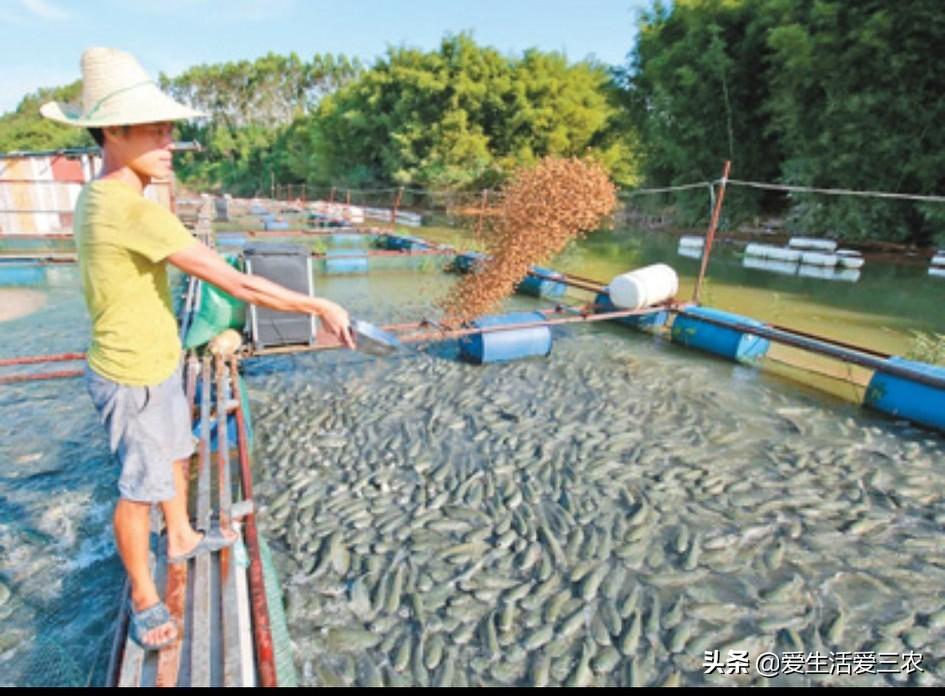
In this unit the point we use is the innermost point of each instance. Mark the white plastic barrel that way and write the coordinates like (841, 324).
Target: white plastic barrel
(938, 259)
(691, 242)
(644, 287)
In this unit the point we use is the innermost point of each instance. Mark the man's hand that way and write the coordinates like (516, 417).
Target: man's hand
(335, 320)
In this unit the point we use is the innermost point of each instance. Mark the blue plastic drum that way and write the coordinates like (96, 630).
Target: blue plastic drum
(543, 287)
(346, 261)
(395, 242)
(22, 274)
(466, 263)
(649, 322)
(690, 330)
(232, 430)
(500, 346)
(906, 398)
(348, 239)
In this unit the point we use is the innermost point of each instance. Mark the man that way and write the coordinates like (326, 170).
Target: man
(134, 361)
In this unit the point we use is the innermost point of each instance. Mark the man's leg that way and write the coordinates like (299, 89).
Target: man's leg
(132, 532)
(181, 536)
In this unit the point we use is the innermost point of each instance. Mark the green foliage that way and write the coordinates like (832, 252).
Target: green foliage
(927, 348)
(252, 107)
(25, 129)
(691, 87)
(461, 116)
(823, 93)
(857, 107)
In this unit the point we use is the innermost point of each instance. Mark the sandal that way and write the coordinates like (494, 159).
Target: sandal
(147, 620)
(214, 540)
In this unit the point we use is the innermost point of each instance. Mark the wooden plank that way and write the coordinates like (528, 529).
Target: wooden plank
(200, 634)
(121, 634)
(149, 669)
(232, 657)
(175, 597)
(175, 594)
(132, 663)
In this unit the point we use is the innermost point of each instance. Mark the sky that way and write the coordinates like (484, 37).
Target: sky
(43, 39)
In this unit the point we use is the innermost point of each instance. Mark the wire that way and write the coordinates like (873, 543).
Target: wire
(838, 192)
(665, 189)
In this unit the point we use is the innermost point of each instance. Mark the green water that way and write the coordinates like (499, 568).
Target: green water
(880, 310)
(57, 478)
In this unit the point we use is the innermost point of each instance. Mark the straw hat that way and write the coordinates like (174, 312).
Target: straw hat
(116, 91)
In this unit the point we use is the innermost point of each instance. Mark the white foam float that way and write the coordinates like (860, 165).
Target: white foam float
(690, 252)
(770, 265)
(848, 258)
(812, 243)
(815, 258)
(767, 251)
(848, 275)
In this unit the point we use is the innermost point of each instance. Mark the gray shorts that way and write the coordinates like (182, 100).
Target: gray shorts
(148, 429)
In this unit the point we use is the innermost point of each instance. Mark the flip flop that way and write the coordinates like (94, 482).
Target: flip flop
(210, 542)
(147, 620)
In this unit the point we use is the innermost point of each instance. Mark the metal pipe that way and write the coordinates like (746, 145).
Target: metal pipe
(710, 234)
(33, 359)
(223, 446)
(62, 374)
(816, 346)
(31, 237)
(38, 259)
(265, 655)
(832, 341)
(569, 280)
(187, 311)
(384, 252)
(583, 315)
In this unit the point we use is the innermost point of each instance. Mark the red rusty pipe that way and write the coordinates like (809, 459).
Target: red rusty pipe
(33, 359)
(441, 335)
(457, 333)
(10, 379)
(568, 280)
(265, 657)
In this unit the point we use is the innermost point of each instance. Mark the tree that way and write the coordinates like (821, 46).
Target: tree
(250, 105)
(25, 129)
(458, 117)
(694, 88)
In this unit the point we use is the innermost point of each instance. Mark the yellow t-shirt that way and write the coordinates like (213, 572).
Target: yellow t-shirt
(123, 239)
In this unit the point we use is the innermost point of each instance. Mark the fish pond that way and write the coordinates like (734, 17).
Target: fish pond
(624, 511)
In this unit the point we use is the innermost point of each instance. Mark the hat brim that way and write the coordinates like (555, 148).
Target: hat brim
(151, 106)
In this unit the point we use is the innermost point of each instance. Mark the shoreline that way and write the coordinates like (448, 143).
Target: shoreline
(16, 303)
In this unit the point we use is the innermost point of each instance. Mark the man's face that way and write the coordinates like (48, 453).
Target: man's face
(145, 148)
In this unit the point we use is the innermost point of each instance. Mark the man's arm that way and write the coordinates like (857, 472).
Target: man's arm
(204, 263)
